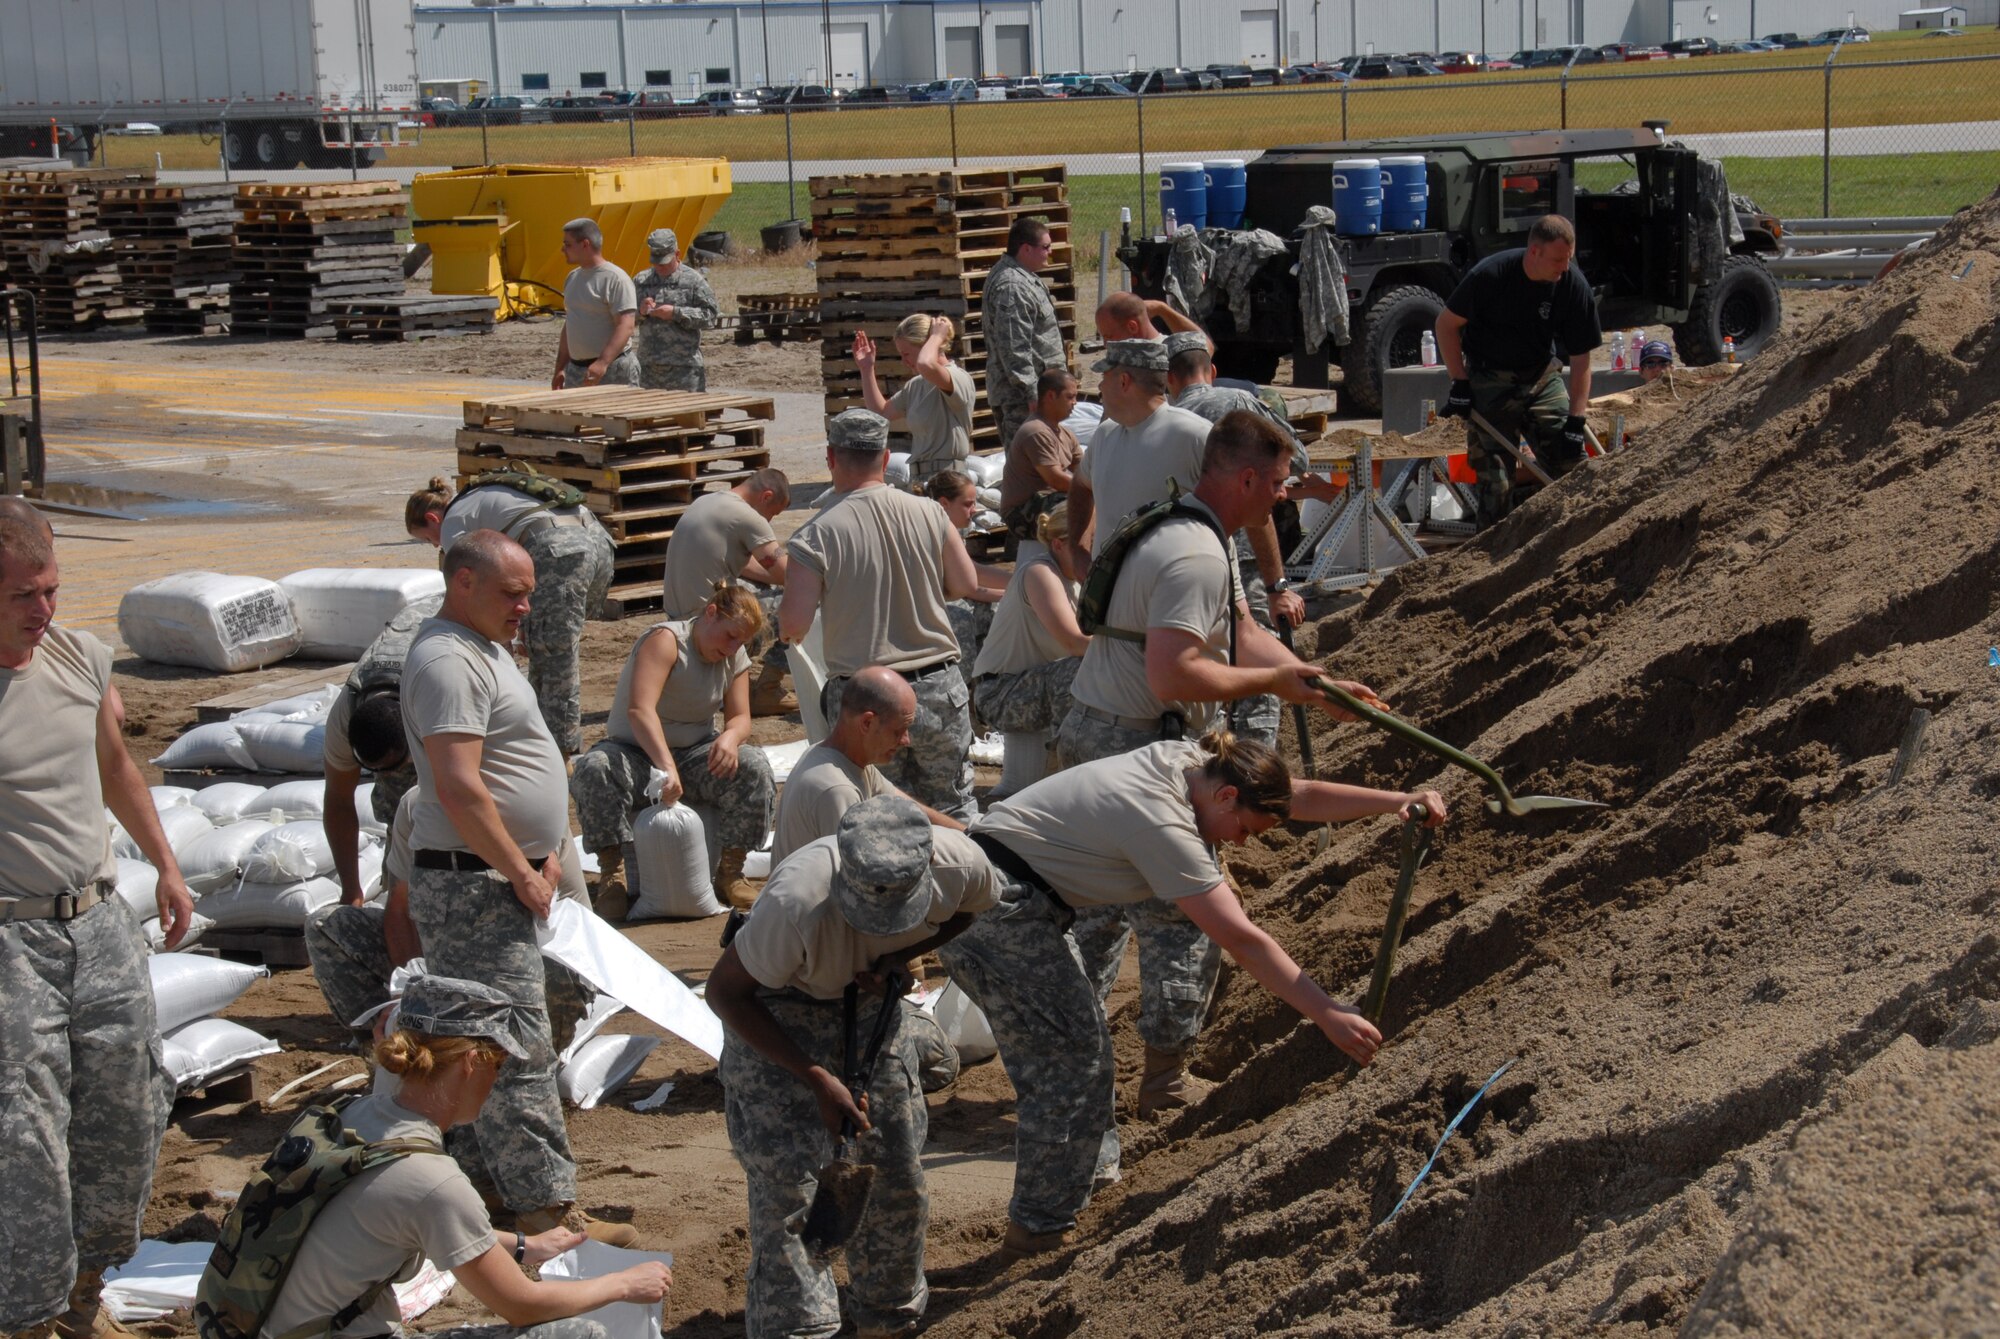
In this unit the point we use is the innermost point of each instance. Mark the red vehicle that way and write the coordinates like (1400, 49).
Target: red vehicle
(1460, 62)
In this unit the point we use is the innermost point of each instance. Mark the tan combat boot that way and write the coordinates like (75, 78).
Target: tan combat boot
(731, 884)
(1021, 1244)
(614, 894)
(46, 1330)
(536, 1221)
(1166, 1084)
(769, 696)
(87, 1317)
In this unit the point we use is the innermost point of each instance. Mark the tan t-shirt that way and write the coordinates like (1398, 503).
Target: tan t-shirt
(457, 682)
(498, 507)
(691, 699)
(1036, 444)
(1018, 640)
(1179, 576)
(383, 1225)
(940, 425)
(825, 784)
(796, 938)
(1127, 468)
(593, 297)
(1118, 830)
(714, 538)
(53, 834)
(879, 554)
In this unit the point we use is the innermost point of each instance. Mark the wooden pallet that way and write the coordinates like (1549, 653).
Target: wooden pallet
(271, 690)
(739, 438)
(414, 316)
(619, 413)
(275, 947)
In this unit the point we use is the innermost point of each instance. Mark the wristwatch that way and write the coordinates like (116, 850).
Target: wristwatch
(1281, 585)
(520, 1247)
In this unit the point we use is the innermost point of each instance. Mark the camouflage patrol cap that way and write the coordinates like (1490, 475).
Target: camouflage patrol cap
(1145, 354)
(858, 429)
(883, 885)
(662, 243)
(1186, 341)
(450, 1006)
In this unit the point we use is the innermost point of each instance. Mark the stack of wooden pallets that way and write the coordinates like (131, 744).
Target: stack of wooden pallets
(302, 251)
(55, 244)
(414, 316)
(894, 244)
(774, 316)
(640, 457)
(175, 248)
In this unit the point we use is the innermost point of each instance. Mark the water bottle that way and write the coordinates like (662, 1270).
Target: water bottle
(1618, 351)
(1430, 349)
(1173, 223)
(1636, 343)
(1728, 348)
(1125, 225)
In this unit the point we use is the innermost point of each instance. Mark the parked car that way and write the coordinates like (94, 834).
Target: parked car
(1232, 76)
(1537, 58)
(1276, 76)
(1162, 80)
(731, 102)
(1752, 47)
(1691, 46)
(1786, 41)
(1945, 32)
(809, 97)
(1639, 53)
(1460, 62)
(1832, 35)
(572, 109)
(878, 95)
(947, 90)
(1417, 68)
(506, 110)
(1378, 67)
(436, 111)
(1321, 74)
(1103, 86)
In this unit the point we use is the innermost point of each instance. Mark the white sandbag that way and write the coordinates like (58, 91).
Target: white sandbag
(160, 1277)
(784, 757)
(897, 472)
(166, 797)
(341, 610)
(209, 621)
(364, 809)
(216, 744)
(986, 470)
(368, 866)
(181, 824)
(308, 706)
(285, 746)
(209, 1048)
(989, 506)
(213, 860)
(965, 1025)
(288, 853)
(156, 936)
(186, 988)
(580, 940)
(297, 799)
(1083, 420)
(137, 882)
(601, 1011)
(602, 1065)
(227, 801)
(672, 868)
(593, 1260)
(269, 906)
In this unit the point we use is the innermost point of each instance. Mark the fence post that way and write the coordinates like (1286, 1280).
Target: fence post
(353, 152)
(1563, 97)
(1145, 229)
(1826, 144)
(222, 143)
(631, 130)
(952, 108)
(1343, 109)
(791, 181)
(485, 156)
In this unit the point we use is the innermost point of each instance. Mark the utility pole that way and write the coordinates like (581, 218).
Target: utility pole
(826, 29)
(764, 11)
(1353, 29)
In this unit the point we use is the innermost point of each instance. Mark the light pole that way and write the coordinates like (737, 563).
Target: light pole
(826, 29)
(764, 12)
(1353, 30)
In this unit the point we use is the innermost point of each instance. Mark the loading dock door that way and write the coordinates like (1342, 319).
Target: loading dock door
(961, 53)
(1260, 37)
(850, 55)
(1012, 51)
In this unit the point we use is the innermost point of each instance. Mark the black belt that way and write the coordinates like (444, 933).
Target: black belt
(928, 670)
(1009, 861)
(463, 861)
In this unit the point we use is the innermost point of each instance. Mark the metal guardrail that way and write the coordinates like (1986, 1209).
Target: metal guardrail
(1842, 251)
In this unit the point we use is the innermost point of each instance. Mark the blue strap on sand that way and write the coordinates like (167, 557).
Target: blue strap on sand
(1463, 1112)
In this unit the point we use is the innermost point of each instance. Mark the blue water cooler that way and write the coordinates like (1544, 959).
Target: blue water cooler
(1406, 194)
(1184, 190)
(1357, 197)
(1226, 192)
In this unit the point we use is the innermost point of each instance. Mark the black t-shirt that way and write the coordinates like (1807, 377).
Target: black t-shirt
(1514, 324)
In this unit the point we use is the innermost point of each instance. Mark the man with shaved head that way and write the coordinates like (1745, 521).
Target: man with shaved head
(492, 808)
(1126, 315)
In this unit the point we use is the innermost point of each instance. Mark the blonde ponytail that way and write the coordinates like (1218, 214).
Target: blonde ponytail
(1259, 775)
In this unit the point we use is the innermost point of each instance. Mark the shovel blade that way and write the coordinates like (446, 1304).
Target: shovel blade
(837, 1205)
(1529, 804)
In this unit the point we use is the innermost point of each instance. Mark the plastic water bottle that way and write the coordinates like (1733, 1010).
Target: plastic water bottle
(1618, 351)
(1173, 223)
(1728, 348)
(1636, 343)
(1430, 349)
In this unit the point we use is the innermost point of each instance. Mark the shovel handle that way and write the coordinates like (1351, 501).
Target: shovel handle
(1415, 843)
(1396, 725)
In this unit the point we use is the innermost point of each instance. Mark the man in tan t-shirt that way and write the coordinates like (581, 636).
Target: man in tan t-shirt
(876, 711)
(727, 536)
(600, 309)
(1042, 456)
(878, 565)
(87, 1097)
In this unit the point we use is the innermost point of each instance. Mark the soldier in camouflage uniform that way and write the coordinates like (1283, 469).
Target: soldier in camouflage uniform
(675, 306)
(1018, 319)
(83, 1092)
(782, 989)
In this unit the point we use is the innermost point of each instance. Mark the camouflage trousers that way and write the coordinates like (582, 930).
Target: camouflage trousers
(776, 1131)
(1535, 409)
(84, 1098)
(971, 620)
(471, 925)
(623, 371)
(1255, 717)
(660, 374)
(575, 1327)
(768, 645)
(1009, 415)
(572, 572)
(1034, 699)
(390, 788)
(934, 768)
(1019, 967)
(609, 786)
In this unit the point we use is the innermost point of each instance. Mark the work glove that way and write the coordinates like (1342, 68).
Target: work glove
(1573, 435)
(1458, 404)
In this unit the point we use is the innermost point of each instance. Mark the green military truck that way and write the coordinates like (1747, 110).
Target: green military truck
(1658, 235)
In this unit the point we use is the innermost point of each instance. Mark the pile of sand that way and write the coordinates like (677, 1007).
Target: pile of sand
(1749, 1008)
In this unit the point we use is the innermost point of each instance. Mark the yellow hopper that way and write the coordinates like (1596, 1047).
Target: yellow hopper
(497, 231)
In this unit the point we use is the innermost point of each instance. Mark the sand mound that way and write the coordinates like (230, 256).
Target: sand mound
(1748, 1008)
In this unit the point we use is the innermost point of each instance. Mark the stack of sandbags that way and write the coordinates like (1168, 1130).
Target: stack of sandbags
(286, 738)
(340, 610)
(199, 1048)
(209, 621)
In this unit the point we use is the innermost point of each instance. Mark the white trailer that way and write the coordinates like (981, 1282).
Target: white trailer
(280, 82)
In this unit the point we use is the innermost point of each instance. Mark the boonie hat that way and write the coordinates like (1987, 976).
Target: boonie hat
(1656, 350)
(1186, 341)
(662, 243)
(1150, 354)
(450, 1006)
(883, 885)
(854, 428)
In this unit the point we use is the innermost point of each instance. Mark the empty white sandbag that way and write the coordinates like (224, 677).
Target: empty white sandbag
(182, 824)
(227, 801)
(216, 744)
(341, 610)
(671, 871)
(296, 799)
(269, 906)
(213, 860)
(285, 746)
(209, 621)
(288, 853)
(137, 882)
(593, 1260)
(156, 938)
(602, 1065)
(187, 988)
(166, 797)
(209, 1048)
(310, 706)
(965, 1025)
